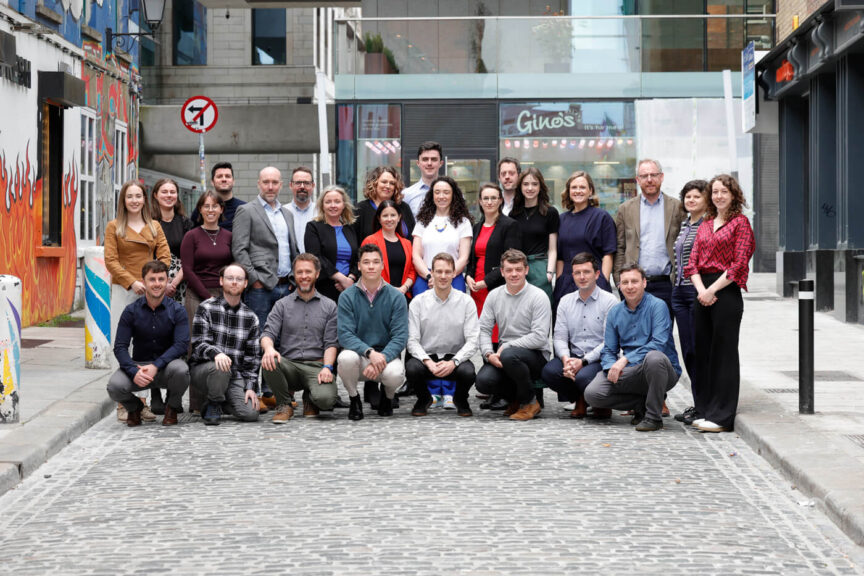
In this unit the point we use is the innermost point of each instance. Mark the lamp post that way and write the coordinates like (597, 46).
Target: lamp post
(151, 12)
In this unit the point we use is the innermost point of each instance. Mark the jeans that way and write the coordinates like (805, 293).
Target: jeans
(683, 298)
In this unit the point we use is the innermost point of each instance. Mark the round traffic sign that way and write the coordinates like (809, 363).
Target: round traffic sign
(199, 114)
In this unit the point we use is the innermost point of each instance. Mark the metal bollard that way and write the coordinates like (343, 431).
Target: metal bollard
(97, 308)
(10, 348)
(805, 346)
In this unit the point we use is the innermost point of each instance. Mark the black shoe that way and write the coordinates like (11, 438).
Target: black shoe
(395, 402)
(497, 403)
(688, 412)
(212, 414)
(355, 410)
(371, 394)
(340, 403)
(638, 417)
(463, 409)
(690, 418)
(649, 425)
(385, 406)
(538, 393)
(421, 407)
(157, 405)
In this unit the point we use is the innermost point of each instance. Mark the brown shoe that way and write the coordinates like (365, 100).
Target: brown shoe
(262, 406)
(512, 408)
(580, 410)
(309, 408)
(602, 414)
(269, 401)
(133, 418)
(527, 412)
(665, 412)
(284, 412)
(170, 418)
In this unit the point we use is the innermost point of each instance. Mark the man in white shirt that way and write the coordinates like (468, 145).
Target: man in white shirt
(430, 158)
(508, 177)
(303, 208)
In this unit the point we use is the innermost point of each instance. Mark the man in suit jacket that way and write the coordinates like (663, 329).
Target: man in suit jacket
(647, 228)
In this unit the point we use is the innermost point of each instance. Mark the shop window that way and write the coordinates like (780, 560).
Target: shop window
(119, 174)
(346, 157)
(190, 34)
(379, 138)
(87, 221)
(269, 37)
(51, 168)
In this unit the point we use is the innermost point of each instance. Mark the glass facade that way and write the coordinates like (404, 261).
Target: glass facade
(190, 33)
(269, 37)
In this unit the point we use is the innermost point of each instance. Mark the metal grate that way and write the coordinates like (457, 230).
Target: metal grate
(826, 376)
(856, 439)
(781, 390)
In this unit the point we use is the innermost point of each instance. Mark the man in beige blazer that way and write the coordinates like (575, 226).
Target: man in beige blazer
(647, 228)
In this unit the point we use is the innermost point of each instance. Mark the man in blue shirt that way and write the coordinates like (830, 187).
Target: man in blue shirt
(640, 329)
(430, 158)
(158, 330)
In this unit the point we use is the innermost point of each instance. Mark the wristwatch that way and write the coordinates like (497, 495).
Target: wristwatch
(428, 277)
(368, 352)
(456, 362)
(584, 362)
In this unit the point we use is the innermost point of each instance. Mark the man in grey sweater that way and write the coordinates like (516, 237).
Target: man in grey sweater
(524, 317)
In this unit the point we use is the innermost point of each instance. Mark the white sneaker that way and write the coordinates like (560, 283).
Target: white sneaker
(569, 407)
(448, 402)
(697, 422)
(147, 415)
(708, 426)
(437, 401)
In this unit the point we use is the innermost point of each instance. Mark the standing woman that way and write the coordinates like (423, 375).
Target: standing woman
(331, 237)
(584, 228)
(131, 240)
(167, 209)
(395, 248)
(443, 225)
(383, 183)
(539, 223)
(694, 197)
(718, 268)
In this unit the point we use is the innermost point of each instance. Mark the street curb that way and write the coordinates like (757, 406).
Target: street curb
(805, 456)
(29, 446)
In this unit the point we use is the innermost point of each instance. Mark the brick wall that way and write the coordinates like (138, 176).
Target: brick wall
(787, 9)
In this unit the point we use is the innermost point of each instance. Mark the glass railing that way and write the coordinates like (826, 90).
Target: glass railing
(548, 45)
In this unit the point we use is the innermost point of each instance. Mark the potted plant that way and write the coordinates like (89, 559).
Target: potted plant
(379, 59)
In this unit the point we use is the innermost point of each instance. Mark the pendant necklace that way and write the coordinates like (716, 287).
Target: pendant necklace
(212, 236)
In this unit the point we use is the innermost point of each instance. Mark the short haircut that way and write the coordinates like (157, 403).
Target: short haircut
(303, 169)
(700, 185)
(154, 267)
(237, 264)
(430, 145)
(367, 249)
(219, 166)
(213, 196)
(567, 202)
(446, 258)
(652, 161)
(584, 258)
(508, 160)
(514, 256)
(633, 266)
(307, 257)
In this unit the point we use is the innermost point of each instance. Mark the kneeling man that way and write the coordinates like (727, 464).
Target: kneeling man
(225, 351)
(157, 328)
(640, 329)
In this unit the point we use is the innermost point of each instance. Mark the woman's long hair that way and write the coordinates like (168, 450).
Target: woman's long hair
(155, 210)
(738, 200)
(370, 189)
(542, 197)
(347, 217)
(123, 218)
(458, 207)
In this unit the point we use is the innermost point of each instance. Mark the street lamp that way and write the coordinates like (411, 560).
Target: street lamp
(151, 12)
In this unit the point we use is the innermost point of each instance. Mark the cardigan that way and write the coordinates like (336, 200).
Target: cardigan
(124, 257)
(320, 240)
(378, 240)
(506, 235)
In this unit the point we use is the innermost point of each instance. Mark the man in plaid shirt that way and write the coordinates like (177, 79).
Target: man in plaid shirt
(226, 354)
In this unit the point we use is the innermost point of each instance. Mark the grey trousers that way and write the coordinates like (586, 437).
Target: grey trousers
(221, 388)
(174, 378)
(293, 375)
(641, 386)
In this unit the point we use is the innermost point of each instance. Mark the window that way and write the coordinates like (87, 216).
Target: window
(190, 34)
(269, 37)
(120, 147)
(51, 168)
(87, 221)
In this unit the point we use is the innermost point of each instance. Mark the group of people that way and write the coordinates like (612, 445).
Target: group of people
(303, 292)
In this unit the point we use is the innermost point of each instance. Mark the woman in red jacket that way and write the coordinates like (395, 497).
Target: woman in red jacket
(396, 249)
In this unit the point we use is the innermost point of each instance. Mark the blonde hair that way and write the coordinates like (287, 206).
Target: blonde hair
(123, 218)
(347, 216)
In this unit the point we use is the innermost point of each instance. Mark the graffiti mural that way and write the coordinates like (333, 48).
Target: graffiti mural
(49, 282)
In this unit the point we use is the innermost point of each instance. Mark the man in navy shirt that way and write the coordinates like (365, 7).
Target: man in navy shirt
(647, 367)
(158, 330)
(222, 178)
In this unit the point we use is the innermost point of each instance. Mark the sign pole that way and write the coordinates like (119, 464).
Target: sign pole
(203, 169)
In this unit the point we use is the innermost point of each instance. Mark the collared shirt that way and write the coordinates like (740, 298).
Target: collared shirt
(219, 328)
(304, 329)
(507, 207)
(581, 324)
(432, 326)
(157, 336)
(280, 227)
(523, 319)
(302, 216)
(728, 249)
(637, 332)
(370, 295)
(414, 195)
(653, 257)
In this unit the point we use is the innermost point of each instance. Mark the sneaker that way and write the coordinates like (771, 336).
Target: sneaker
(569, 407)
(697, 422)
(147, 415)
(212, 414)
(708, 426)
(688, 412)
(122, 414)
(448, 402)
(437, 401)
(649, 425)
(284, 412)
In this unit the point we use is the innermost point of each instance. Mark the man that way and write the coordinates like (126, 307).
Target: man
(222, 178)
(304, 324)
(647, 228)
(158, 330)
(373, 330)
(524, 316)
(508, 177)
(302, 207)
(225, 351)
(430, 158)
(438, 349)
(578, 336)
(640, 328)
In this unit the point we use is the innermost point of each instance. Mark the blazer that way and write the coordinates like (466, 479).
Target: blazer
(506, 235)
(628, 225)
(320, 240)
(378, 239)
(124, 257)
(254, 244)
(365, 223)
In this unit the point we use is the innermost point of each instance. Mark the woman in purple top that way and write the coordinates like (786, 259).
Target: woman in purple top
(584, 228)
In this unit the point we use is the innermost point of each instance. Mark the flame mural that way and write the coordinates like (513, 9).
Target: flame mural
(48, 282)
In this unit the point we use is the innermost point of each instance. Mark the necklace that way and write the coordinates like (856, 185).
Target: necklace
(212, 236)
(442, 228)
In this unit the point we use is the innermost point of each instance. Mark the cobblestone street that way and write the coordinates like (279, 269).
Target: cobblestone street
(414, 496)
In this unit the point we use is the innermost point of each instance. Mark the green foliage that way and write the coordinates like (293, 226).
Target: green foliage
(374, 43)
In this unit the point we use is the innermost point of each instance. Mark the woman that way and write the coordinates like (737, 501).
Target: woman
(694, 197)
(331, 237)
(718, 268)
(383, 183)
(131, 240)
(538, 222)
(443, 225)
(395, 248)
(167, 209)
(583, 228)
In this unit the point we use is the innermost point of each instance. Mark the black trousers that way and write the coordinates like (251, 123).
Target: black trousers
(515, 382)
(417, 373)
(716, 330)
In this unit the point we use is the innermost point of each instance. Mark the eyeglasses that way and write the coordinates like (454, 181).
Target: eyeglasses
(649, 176)
(211, 208)
(237, 279)
(302, 183)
